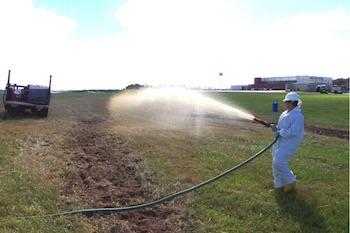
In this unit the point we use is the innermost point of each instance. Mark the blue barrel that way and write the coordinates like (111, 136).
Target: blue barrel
(275, 106)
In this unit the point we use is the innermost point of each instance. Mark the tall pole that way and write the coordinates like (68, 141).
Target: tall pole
(220, 74)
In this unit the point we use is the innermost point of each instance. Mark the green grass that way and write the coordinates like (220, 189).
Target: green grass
(82, 94)
(22, 192)
(324, 110)
(244, 201)
(239, 202)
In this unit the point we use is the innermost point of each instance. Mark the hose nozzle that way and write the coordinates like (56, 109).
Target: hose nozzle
(265, 123)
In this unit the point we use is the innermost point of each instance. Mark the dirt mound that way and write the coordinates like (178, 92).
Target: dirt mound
(103, 173)
(328, 132)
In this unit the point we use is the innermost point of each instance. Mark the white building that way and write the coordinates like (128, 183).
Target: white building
(302, 83)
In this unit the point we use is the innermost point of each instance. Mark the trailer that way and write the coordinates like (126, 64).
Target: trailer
(21, 100)
(337, 90)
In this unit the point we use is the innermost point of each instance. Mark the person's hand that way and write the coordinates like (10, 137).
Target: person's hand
(274, 128)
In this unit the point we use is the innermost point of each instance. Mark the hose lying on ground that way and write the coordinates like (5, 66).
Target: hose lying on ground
(159, 201)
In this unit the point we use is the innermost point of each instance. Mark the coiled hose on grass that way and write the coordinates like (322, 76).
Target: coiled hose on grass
(159, 201)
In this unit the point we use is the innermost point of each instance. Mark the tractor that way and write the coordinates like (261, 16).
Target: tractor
(22, 100)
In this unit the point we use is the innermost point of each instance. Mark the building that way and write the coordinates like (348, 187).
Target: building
(239, 87)
(294, 83)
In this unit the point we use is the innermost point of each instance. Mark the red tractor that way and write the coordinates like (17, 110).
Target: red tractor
(21, 100)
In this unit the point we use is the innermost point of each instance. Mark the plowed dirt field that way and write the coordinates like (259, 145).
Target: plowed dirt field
(76, 149)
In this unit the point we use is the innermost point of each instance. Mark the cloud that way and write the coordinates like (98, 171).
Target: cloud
(198, 39)
(187, 41)
(311, 44)
(171, 42)
(32, 42)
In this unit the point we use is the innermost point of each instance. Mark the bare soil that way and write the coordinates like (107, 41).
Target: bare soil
(328, 132)
(104, 173)
(99, 169)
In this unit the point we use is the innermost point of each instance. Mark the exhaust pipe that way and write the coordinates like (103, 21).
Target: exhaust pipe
(265, 123)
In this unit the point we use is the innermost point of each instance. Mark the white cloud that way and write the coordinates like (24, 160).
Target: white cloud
(32, 41)
(191, 41)
(171, 42)
(311, 44)
(195, 39)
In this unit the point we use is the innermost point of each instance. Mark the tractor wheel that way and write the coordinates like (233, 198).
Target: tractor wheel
(11, 111)
(43, 112)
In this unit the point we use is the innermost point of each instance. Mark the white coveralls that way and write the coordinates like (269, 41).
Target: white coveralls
(291, 130)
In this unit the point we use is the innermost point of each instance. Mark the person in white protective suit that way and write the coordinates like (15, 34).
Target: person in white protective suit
(290, 129)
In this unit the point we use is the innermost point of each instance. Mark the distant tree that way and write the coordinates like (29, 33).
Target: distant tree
(343, 82)
(135, 86)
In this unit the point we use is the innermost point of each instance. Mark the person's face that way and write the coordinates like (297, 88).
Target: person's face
(289, 105)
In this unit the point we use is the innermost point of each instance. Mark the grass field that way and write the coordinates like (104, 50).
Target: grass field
(325, 110)
(44, 163)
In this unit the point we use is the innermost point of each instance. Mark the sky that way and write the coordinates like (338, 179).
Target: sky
(110, 44)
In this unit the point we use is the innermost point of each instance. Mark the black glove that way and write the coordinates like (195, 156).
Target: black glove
(275, 131)
(274, 128)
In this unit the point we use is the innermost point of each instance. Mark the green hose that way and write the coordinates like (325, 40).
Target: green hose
(167, 198)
